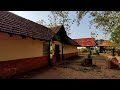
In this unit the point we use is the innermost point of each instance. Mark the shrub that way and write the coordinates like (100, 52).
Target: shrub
(118, 51)
(83, 50)
(96, 51)
(85, 62)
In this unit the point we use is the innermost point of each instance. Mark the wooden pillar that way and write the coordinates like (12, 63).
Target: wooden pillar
(62, 52)
(89, 57)
(49, 60)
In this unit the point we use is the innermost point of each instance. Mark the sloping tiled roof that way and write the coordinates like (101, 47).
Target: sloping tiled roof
(72, 42)
(11, 23)
(105, 43)
(84, 42)
(55, 29)
(68, 40)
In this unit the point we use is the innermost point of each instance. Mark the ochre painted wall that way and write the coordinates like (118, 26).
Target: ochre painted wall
(53, 49)
(66, 48)
(69, 49)
(12, 48)
(57, 43)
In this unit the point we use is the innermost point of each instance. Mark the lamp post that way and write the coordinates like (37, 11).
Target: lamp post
(89, 57)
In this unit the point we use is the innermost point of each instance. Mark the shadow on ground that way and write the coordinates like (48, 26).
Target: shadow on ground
(72, 69)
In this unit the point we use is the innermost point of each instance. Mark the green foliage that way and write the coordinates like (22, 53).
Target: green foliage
(62, 18)
(118, 51)
(99, 41)
(85, 62)
(107, 21)
(58, 18)
(80, 15)
(83, 50)
(96, 51)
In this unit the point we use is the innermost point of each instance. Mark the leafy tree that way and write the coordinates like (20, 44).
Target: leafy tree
(108, 21)
(99, 41)
(58, 18)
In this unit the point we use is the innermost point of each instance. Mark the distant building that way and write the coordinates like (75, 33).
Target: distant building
(86, 42)
(104, 44)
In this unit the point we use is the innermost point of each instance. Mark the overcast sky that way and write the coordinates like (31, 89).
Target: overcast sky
(82, 31)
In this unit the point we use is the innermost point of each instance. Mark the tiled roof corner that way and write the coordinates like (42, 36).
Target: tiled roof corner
(11, 23)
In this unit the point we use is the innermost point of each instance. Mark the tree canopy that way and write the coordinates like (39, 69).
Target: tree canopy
(107, 21)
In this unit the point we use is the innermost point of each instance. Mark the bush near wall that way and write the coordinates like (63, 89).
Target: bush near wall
(96, 51)
(83, 50)
(118, 51)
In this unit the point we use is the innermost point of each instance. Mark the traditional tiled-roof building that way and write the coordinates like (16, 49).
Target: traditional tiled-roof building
(64, 45)
(86, 42)
(23, 44)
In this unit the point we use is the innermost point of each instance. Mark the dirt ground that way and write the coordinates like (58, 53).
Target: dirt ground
(72, 69)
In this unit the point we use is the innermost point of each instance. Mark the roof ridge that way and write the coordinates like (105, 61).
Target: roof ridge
(12, 23)
(85, 38)
(26, 19)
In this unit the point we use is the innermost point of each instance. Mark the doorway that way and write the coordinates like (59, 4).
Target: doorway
(57, 52)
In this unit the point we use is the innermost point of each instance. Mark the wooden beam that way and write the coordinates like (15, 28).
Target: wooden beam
(10, 34)
(41, 39)
(23, 37)
(62, 52)
(33, 38)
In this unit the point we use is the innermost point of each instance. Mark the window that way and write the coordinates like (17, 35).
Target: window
(45, 48)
